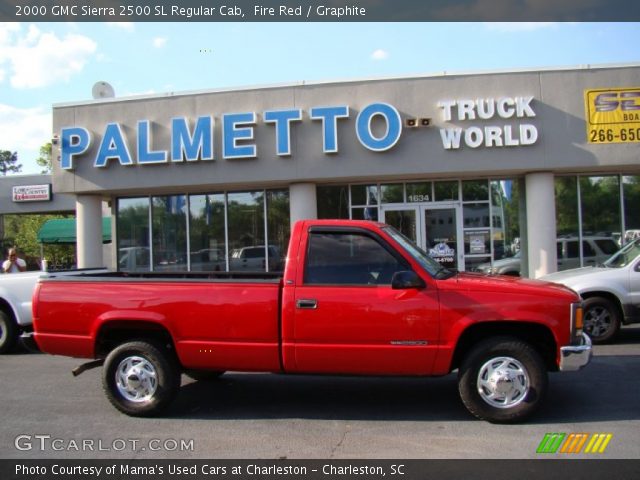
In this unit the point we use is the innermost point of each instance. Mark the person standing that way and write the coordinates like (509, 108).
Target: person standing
(13, 263)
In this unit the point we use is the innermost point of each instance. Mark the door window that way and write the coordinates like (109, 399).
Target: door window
(348, 259)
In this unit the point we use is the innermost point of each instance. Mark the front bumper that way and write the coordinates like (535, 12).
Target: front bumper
(574, 357)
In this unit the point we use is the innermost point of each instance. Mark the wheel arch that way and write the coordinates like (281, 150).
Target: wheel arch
(540, 337)
(116, 332)
(612, 297)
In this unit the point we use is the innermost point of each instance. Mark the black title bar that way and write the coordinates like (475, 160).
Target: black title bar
(319, 10)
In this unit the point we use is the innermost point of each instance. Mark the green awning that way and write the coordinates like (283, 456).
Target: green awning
(63, 230)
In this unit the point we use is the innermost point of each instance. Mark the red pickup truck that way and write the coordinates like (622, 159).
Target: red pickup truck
(356, 298)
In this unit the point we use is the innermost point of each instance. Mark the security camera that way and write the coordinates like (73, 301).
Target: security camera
(55, 140)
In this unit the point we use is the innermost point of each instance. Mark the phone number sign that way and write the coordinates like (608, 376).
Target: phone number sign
(613, 115)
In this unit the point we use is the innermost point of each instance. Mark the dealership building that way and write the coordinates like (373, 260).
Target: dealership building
(474, 167)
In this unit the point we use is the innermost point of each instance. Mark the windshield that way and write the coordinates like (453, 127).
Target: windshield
(624, 256)
(428, 263)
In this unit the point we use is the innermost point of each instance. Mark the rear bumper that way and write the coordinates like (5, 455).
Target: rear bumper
(574, 357)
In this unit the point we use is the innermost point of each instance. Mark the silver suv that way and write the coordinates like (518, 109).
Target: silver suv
(595, 250)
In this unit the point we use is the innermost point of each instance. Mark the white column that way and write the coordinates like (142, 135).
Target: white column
(89, 231)
(541, 224)
(303, 204)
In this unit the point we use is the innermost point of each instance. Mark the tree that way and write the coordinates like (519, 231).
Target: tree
(9, 162)
(44, 160)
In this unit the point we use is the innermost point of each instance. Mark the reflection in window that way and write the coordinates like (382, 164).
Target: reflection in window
(600, 197)
(364, 195)
(206, 233)
(169, 220)
(245, 219)
(392, 193)
(566, 193)
(333, 201)
(133, 234)
(348, 259)
(278, 228)
(631, 191)
(446, 191)
(505, 211)
(475, 215)
(475, 190)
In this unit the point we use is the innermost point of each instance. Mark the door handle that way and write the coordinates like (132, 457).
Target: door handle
(307, 303)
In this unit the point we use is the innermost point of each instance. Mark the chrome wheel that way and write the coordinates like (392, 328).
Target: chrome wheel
(136, 379)
(597, 321)
(503, 382)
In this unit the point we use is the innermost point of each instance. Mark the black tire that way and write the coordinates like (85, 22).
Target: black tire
(203, 375)
(8, 333)
(519, 373)
(140, 378)
(601, 319)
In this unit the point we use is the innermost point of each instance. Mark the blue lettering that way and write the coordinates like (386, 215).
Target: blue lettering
(145, 155)
(283, 119)
(74, 141)
(365, 134)
(191, 147)
(113, 146)
(232, 133)
(329, 117)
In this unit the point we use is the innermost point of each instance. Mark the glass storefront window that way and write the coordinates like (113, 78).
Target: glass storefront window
(392, 193)
(566, 190)
(333, 201)
(475, 190)
(278, 228)
(475, 215)
(419, 192)
(169, 220)
(631, 193)
(207, 233)
(600, 198)
(505, 215)
(446, 191)
(369, 213)
(133, 234)
(245, 220)
(364, 195)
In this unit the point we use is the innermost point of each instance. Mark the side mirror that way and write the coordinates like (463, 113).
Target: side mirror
(406, 279)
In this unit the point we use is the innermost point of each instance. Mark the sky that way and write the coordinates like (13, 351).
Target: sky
(43, 64)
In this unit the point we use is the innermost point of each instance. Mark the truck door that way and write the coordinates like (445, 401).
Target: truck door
(349, 319)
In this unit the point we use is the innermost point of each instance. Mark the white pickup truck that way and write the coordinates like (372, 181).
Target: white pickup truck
(611, 292)
(16, 290)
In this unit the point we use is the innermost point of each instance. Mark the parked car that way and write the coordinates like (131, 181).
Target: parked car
(611, 292)
(595, 250)
(504, 266)
(16, 290)
(252, 259)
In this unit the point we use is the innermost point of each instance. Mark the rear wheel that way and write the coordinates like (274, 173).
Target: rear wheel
(140, 378)
(502, 380)
(8, 333)
(601, 319)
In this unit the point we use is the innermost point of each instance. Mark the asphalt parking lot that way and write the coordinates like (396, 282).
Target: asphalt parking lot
(48, 414)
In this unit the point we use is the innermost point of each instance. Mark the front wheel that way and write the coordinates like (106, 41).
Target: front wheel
(140, 378)
(601, 319)
(502, 380)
